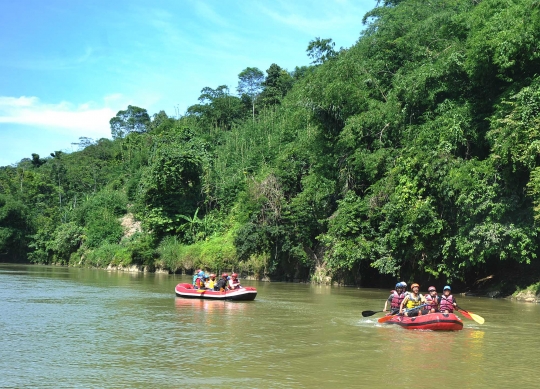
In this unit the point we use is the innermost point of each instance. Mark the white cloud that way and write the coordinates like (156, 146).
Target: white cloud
(87, 119)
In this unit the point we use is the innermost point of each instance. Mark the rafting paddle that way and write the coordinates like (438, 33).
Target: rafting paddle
(384, 319)
(477, 318)
(370, 313)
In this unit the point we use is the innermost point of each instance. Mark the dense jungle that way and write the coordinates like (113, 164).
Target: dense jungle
(412, 155)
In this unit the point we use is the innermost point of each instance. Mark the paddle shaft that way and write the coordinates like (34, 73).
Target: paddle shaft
(389, 317)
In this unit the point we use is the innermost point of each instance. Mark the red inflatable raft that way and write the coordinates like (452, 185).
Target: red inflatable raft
(242, 294)
(432, 321)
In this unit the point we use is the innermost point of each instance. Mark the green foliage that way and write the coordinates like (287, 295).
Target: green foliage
(217, 254)
(171, 186)
(13, 226)
(103, 228)
(110, 202)
(217, 109)
(277, 84)
(108, 254)
(413, 153)
(133, 119)
(321, 50)
(66, 240)
(250, 82)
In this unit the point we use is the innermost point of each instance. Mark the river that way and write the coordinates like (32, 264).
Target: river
(86, 328)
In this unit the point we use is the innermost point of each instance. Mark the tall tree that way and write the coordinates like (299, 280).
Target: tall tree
(217, 107)
(321, 50)
(250, 83)
(133, 119)
(277, 83)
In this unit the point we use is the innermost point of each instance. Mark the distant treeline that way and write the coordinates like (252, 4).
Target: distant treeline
(412, 154)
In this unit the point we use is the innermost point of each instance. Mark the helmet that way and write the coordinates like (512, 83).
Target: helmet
(447, 287)
(413, 285)
(200, 273)
(212, 275)
(404, 284)
(234, 275)
(399, 285)
(432, 289)
(224, 275)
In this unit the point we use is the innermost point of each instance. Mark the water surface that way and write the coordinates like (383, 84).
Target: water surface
(85, 328)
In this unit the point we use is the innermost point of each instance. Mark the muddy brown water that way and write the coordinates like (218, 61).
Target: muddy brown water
(85, 328)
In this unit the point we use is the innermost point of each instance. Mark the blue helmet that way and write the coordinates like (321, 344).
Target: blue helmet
(399, 285)
(201, 274)
(447, 287)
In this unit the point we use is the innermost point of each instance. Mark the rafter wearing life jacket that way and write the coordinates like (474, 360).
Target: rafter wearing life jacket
(432, 302)
(447, 303)
(397, 298)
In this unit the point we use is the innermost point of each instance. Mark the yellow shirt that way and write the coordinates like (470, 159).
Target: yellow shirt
(413, 302)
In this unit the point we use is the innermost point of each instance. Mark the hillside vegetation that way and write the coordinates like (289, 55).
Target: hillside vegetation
(412, 154)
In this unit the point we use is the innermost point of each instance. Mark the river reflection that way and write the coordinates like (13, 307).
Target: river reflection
(65, 328)
(208, 312)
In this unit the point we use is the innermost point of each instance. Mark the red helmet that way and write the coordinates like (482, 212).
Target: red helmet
(432, 289)
(224, 275)
(234, 275)
(212, 275)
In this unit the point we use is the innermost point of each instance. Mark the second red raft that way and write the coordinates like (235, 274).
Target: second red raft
(242, 294)
(432, 321)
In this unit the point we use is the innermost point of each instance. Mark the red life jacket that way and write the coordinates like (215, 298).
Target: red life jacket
(447, 303)
(432, 302)
(396, 300)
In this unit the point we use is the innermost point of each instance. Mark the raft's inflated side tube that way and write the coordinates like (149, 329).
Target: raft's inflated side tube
(431, 321)
(242, 294)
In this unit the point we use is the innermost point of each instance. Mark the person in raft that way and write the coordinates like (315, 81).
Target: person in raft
(432, 300)
(210, 282)
(199, 282)
(447, 302)
(195, 276)
(222, 283)
(233, 282)
(413, 300)
(395, 298)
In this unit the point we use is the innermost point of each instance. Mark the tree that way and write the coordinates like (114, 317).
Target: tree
(13, 226)
(171, 184)
(37, 161)
(133, 119)
(321, 50)
(217, 107)
(161, 123)
(277, 83)
(250, 83)
(83, 143)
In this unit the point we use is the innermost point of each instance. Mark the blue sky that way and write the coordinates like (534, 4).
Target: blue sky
(67, 66)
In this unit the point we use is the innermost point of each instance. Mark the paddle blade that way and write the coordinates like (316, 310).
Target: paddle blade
(469, 315)
(384, 319)
(369, 313)
(477, 318)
